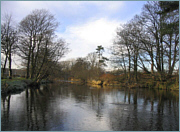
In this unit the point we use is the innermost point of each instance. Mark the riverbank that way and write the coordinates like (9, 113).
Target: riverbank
(14, 85)
(143, 81)
(18, 85)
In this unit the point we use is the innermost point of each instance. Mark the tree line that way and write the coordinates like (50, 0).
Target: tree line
(149, 41)
(84, 68)
(35, 41)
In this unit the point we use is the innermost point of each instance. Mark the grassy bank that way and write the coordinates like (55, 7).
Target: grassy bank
(143, 81)
(19, 84)
(14, 85)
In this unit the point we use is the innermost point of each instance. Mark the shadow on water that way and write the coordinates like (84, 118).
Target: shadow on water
(73, 107)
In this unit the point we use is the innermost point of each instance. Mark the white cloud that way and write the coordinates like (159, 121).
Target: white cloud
(86, 37)
(95, 32)
(63, 8)
(83, 24)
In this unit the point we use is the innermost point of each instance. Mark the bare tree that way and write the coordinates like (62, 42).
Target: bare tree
(93, 59)
(48, 59)
(119, 57)
(163, 29)
(36, 32)
(8, 41)
(122, 41)
(151, 38)
(39, 47)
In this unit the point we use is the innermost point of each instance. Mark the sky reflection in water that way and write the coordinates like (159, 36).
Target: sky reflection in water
(82, 108)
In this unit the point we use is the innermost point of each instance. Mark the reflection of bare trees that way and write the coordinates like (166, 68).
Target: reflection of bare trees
(35, 110)
(95, 98)
(39, 111)
(36, 113)
(6, 107)
(149, 110)
(98, 102)
(126, 109)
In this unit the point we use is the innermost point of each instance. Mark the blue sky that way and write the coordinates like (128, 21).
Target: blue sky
(83, 24)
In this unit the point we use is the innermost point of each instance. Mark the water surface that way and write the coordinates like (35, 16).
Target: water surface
(58, 107)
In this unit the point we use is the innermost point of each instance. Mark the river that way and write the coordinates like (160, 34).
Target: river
(67, 107)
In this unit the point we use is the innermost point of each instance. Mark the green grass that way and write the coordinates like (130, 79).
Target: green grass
(14, 79)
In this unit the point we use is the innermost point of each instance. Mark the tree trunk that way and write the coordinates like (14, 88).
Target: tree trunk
(162, 60)
(129, 69)
(174, 60)
(4, 67)
(152, 60)
(10, 70)
(135, 68)
(29, 58)
(32, 64)
(36, 57)
(44, 58)
(135, 63)
(28, 63)
(124, 67)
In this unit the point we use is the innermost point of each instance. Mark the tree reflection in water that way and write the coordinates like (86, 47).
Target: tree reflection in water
(73, 107)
